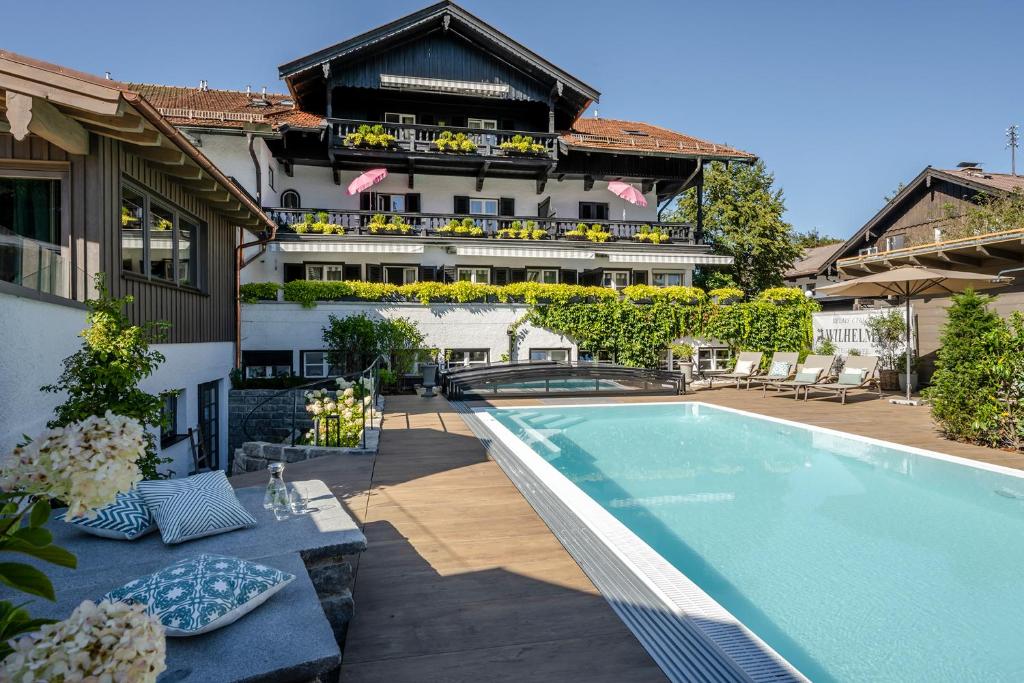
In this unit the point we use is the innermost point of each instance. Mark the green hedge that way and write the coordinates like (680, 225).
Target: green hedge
(636, 325)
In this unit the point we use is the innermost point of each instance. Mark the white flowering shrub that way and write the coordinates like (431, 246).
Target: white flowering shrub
(111, 641)
(322, 405)
(85, 464)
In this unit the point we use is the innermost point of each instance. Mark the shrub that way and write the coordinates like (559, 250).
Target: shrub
(104, 374)
(522, 144)
(646, 233)
(355, 341)
(318, 223)
(466, 227)
(251, 292)
(370, 136)
(448, 141)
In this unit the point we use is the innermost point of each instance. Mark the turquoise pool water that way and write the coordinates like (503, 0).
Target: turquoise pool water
(855, 561)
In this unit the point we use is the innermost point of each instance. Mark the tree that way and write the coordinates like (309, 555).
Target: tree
(743, 219)
(813, 238)
(105, 373)
(355, 341)
(892, 195)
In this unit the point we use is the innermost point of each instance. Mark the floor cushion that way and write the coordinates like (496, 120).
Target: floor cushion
(126, 519)
(194, 507)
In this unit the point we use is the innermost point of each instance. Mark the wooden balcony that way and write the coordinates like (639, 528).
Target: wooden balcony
(421, 139)
(429, 225)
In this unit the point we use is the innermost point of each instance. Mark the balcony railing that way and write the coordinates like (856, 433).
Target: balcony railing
(421, 138)
(430, 224)
(32, 264)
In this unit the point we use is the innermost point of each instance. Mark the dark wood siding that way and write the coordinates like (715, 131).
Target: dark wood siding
(925, 209)
(94, 241)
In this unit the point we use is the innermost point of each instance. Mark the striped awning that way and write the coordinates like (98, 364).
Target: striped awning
(349, 247)
(444, 85)
(674, 259)
(524, 252)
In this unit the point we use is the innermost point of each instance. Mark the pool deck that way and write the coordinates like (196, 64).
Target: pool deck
(462, 581)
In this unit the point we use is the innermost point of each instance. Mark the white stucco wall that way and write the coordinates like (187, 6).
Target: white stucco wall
(37, 336)
(281, 326)
(230, 152)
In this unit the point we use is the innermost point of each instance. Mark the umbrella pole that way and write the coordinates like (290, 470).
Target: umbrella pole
(907, 349)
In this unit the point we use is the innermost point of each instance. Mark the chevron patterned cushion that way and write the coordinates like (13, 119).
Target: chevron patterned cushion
(126, 519)
(203, 593)
(194, 507)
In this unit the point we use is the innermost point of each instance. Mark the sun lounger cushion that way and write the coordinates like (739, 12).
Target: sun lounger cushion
(203, 593)
(809, 375)
(743, 367)
(194, 507)
(126, 519)
(851, 377)
(779, 368)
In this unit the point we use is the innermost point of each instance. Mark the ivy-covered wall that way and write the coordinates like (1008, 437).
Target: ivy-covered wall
(636, 323)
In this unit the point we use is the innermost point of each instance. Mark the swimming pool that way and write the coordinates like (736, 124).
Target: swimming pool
(542, 385)
(852, 558)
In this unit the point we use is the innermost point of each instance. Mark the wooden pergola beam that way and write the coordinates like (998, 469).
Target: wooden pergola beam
(28, 114)
(167, 156)
(1001, 254)
(124, 121)
(148, 137)
(959, 259)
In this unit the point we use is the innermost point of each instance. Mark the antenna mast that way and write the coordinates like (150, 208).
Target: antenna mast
(1012, 139)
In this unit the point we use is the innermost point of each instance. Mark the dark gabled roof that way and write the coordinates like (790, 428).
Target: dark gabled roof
(975, 179)
(812, 260)
(448, 15)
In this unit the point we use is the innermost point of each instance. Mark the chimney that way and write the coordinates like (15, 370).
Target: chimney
(106, 75)
(248, 91)
(263, 92)
(203, 86)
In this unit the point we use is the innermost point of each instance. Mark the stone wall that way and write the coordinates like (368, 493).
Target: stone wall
(272, 421)
(254, 456)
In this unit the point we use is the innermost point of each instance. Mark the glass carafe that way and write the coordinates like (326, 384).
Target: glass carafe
(276, 496)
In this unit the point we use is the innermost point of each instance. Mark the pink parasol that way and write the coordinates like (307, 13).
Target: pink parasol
(367, 180)
(627, 192)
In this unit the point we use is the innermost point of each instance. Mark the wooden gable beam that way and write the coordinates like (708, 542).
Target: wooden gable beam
(588, 183)
(336, 175)
(542, 182)
(167, 156)
(484, 167)
(28, 114)
(125, 120)
(148, 137)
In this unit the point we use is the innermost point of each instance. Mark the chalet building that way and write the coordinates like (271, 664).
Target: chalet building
(923, 225)
(93, 179)
(807, 272)
(481, 139)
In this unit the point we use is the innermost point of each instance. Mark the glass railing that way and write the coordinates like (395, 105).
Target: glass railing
(33, 265)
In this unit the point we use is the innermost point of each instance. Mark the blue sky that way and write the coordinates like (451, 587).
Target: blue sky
(842, 100)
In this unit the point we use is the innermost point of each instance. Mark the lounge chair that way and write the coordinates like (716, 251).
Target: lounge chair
(823, 365)
(775, 372)
(751, 357)
(867, 380)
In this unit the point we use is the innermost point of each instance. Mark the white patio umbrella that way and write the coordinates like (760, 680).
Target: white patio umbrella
(912, 281)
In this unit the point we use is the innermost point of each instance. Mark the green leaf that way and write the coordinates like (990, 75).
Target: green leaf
(36, 536)
(50, 553)
(40, 513)
(26, 579)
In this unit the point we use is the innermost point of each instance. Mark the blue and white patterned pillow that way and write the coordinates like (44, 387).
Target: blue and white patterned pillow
(203, 593)
(780, 368)
(194, 507)
(126, 519)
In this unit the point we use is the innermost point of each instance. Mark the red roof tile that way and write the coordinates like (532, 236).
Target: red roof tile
(615, 135)
(223, 108)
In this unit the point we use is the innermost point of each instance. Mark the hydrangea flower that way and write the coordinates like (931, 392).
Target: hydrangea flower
(85, 464)
(111, 641)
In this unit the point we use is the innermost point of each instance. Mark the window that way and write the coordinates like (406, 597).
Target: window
(544, 275)
(480, 276)
(259, 364)
(596, 357)
(467, 357)
(270, 177)
(938, 234)
(483, 207)
(169, 420)
(325, 271)
(389, 203)
(616, 279)
(713, 358)
(315, 364)
(556, 355)
(594, 211)
(661, 279)
(158, 241)
(895, 242)
(401, 275)
(290, 200)
(30, 232)
(209, 421)
(635, 133)
(483, 124)
(402, 119)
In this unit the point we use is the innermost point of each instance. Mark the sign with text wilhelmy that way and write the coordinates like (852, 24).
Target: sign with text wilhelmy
(848, 330)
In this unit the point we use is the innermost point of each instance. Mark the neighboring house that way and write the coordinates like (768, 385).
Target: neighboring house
(425, 78)
(93, 179)
(812, 269)
(922, 226)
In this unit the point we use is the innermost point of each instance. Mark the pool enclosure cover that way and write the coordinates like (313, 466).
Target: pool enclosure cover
(545, 378)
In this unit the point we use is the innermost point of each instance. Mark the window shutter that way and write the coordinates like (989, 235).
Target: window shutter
(570, 277)
(507, 206)
(544, 208)
(461, 205)
(501, 276)
(352, 271)
(601, 211)
(294, 271)
(427, 273)
(639, 277)
(365, 201)
(448, 274)
(374, 273)
(412, 202)
(586, 211)
(518, 275)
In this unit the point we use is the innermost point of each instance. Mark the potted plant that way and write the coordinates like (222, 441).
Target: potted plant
(456, 143)
(318, 223)
(367, 136)
(646, 233)
(523, 145)
(888, 333)
(517, 231)
(903, 371)
(395, 225)
(682, 354)
(467, 227)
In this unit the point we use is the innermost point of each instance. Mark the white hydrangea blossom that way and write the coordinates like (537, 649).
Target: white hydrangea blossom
(111, 641)
(85, 464)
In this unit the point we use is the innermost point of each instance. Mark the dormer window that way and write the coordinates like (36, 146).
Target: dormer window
(635, 133)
